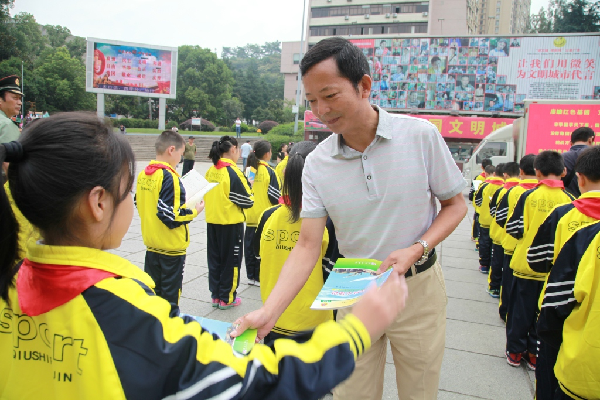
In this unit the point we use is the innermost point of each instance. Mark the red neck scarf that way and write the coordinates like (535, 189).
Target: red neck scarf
(528, 185)
(511, 184)
(553, 183)
(495, 181)
(589, 206)
(44, 287)
(222, 164)
(152, 168)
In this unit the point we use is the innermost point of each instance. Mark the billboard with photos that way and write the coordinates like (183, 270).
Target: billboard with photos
(115, 67)
(481, 74)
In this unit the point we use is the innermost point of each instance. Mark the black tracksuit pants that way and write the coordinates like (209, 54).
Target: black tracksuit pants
(252, 263)
(485, 247)
(495, 276)
(522, 313)
(225, 249)
(546, 383)
(188, 165)
(507, 278)
(167, 274)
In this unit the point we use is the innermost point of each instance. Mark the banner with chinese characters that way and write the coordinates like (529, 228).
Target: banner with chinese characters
(465, 127)
(482, 74)
(549, 126)
(129, 68)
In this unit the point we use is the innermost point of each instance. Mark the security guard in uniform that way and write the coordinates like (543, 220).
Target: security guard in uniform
(10, 105)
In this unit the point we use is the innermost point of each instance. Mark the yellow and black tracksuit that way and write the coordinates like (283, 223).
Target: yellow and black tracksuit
(503, 212)
(496, 234)
(267, 192)
(224, 208)
(89, 326)
(568, 301)
(531, 210)
(275, 238)
(280, 169)
(482, 202)
(160, 199)
(472, 191)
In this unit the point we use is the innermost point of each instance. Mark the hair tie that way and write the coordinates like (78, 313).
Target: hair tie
(14, 151)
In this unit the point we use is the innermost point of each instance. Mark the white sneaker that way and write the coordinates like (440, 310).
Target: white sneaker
(251, 282)
(257, 283)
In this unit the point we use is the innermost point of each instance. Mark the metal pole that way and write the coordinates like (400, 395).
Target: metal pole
(299, 74)
(150, 109)
(23, 96)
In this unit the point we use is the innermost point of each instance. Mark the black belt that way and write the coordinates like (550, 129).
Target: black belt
(423, 267)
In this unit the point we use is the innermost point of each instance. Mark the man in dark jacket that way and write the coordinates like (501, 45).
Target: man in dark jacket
(581, 139)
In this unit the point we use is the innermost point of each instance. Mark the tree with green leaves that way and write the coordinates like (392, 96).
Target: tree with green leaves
(562, 16)
(232, 109)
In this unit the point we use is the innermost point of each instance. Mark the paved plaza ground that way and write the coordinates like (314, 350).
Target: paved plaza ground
(474, 365)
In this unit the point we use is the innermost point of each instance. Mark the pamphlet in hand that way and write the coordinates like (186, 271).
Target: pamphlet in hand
(347, 282)
(195, 187)
(241, 344)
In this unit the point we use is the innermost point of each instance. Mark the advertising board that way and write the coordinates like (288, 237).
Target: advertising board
(114, 67)
(481, 74)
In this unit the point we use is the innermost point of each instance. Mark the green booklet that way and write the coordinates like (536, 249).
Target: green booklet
(241, 344)
(347, 282)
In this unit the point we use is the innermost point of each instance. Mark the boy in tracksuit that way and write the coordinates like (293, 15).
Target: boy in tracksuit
(510, 172)
(566, 246)
(482, 202)
(472, 191)
(160, 199)
(504, 211)
(531, 210)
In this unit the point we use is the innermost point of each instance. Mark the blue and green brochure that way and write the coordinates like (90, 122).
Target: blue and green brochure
(347, 282)
(241, 344)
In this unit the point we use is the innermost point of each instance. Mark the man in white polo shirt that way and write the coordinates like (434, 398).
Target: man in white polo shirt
(378, 178)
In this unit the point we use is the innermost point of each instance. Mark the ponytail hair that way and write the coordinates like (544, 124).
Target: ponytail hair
(292, 182)
(261, 148)
(9, 231)
(220, 147)
(47, 179)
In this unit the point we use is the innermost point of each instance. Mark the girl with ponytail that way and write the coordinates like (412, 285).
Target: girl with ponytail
(285, 220)
(225, 216)
(266, 189)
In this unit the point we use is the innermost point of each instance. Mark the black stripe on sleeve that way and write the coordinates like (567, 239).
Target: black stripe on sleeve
(238, 194)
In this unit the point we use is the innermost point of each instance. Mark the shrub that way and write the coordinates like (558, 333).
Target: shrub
(171, 124)
(288, 129)
(137, 123)
(266, 126)
(277, 140)
(243, 128)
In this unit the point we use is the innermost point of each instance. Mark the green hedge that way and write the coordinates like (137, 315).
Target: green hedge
(277, 140)
(136, 123)
(288, 129)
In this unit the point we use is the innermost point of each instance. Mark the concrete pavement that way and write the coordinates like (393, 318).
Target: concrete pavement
(474, 365)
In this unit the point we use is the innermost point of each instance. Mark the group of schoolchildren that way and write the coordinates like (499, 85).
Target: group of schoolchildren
(71, 312)
(539, 245)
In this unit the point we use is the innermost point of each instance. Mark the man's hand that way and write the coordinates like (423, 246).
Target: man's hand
(402, 259)
(259, 319)
(200, 206)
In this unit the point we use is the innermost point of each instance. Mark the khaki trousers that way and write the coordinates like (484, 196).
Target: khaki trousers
(417, 338)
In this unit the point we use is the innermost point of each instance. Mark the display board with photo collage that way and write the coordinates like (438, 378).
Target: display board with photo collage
(463, 73)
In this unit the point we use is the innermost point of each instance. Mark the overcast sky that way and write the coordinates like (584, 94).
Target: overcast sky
(210, 24)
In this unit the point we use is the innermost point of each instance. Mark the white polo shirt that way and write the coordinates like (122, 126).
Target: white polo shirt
(383, 199)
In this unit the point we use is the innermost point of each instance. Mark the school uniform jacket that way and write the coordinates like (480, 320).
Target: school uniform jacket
(530, 212)
(506, 208)
(280, 169)
(480, 177)
(496, 231)
(160, 200)
(483, 197)
(274, 240)
(225, 204)
(85, 324)
(266, 190)
(567, 246)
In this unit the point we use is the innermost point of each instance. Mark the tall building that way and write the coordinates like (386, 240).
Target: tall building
(502, 17)
(290, 60)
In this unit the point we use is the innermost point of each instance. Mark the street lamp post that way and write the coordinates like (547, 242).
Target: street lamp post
(299, 74)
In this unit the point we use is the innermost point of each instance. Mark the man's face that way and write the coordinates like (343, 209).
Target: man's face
(333, 98)
(191, 141)
(11, 104)
(436, 63)
(464, 81)
(413, 97)
(501, 45)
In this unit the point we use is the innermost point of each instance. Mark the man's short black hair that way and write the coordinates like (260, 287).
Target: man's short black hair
(511, 169)
(588, 164)
(499, 170)
(526, 164)
(167, 139)
(486, 162)
(549, 163)
(489, 170)
(351, 62)
(582, 134)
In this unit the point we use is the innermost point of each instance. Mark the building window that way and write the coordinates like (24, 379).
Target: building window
(296, 58)
(420, 27)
